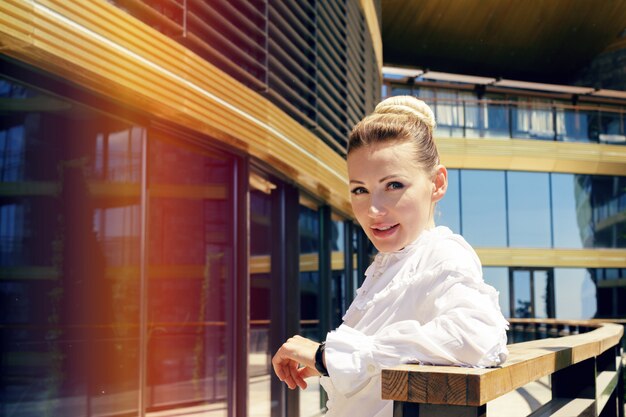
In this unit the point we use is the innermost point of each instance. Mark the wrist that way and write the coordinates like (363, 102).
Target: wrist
(320, 359)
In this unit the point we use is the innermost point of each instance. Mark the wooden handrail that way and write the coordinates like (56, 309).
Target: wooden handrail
(585, 365)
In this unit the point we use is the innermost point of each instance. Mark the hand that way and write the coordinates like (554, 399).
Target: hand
(294, 352)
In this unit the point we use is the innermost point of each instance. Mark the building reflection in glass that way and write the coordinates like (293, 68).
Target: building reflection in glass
(190, 277)
(69, 258)
(73, 339)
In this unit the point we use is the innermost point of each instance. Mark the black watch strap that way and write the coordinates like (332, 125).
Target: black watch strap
(319, 359)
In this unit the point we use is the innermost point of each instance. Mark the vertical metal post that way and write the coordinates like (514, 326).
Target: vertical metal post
(285, 284)
(241, 278)
(348, 261)
(325, 275)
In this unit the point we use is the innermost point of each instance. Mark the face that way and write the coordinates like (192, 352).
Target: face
(392, 196)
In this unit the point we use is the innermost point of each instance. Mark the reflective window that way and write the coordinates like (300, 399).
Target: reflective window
(498, 277)
(259, 356)
(575, 294)
(571, 212)
(483, 214)
(612, 130)
(577, 125)
(309, 227)
(70, 222)
(608, 199)
(521, 294)
(533, 119)
(448, 210)
(487, 118)
(528, 196)
(541, 290)
(190, 275)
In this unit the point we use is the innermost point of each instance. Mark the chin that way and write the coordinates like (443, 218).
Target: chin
(388, 246)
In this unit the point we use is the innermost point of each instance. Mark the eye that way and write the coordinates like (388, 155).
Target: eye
(395, 185)
(359, 190)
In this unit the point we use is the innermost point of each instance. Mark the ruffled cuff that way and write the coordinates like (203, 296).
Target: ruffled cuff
(349, 359)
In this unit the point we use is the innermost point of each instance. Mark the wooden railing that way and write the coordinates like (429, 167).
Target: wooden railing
(585, 369)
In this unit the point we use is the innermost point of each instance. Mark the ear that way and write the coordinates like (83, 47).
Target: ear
(440, 183)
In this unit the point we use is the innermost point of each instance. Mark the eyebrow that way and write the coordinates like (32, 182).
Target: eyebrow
(383, 179)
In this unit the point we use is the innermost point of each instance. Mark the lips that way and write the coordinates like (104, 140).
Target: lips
(383, 231)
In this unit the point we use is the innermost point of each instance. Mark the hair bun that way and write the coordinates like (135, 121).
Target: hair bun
(408, 105)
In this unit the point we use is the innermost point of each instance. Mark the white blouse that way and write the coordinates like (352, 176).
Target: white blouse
(426, 303)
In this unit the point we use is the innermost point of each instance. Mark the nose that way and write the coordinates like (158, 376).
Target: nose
(376, 208)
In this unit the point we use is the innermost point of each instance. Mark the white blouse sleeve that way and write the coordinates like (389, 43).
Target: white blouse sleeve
(468, 330)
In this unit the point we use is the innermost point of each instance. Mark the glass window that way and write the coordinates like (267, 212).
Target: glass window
(571, 212)
(449, 113)
(448, 210)
(541, 283)
(483, 214)
(575, 294)
(498, 277)
(309, 228)
(521, 295)
(190, 250)
(577, 125)
(259, 356)
(70, 218)
(528, 196)
(611, 129)
(487, 118)
(533, 119)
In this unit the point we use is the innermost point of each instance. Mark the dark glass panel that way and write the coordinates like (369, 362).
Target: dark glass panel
(309, 230)
(611, 129)
(190, 275)
(259, 359)
(577, 125)
(69, 258)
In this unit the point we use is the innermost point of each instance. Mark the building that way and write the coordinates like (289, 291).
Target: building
(536, 185)
(530, 105)
(174, 199)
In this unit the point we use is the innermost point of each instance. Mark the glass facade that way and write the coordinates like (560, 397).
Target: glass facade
(466, 113)
(70, 231)
(117, 253)
(535, 209)
(562, 293)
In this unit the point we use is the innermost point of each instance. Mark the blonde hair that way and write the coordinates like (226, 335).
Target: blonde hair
(399, 118)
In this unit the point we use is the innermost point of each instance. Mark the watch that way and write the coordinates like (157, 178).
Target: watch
(319, 359)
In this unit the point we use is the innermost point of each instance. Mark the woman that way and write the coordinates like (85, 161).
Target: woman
(423, 299)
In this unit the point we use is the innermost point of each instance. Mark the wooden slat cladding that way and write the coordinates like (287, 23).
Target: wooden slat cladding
(314, 59)
(229, 34)
(106, 50)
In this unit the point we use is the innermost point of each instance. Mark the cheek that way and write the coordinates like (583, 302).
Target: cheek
(359, 207)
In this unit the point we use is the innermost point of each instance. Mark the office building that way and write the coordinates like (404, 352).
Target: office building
(174, 201)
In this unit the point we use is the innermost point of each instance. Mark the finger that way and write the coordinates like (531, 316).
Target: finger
(291, 383)
(278, 367)
(307, 372)
(295, 376)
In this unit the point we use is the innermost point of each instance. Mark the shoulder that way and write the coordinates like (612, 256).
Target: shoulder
(449, 251)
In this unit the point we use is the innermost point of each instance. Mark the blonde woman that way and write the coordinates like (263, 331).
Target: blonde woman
(423, 299)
